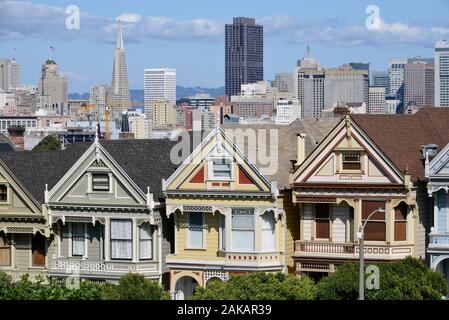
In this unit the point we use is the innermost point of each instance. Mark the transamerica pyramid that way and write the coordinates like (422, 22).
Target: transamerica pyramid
(120, 99)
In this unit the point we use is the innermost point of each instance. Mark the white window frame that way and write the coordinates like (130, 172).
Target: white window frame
(150, 240)
(254, 230)
(8, 194)
(188, 244)
(210, 171)
(131, 239)
(85, 246)
(109, 182)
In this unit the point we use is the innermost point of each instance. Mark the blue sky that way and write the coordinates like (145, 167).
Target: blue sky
(189, 35)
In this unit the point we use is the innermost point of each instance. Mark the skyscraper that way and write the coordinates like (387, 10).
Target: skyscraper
(120, 99)
(9, 74)
(243, 54)
(160, 85)
(98, 96)
(419, 82)
(442, 74)
(53, 85)
(380, 79)
(396, 77)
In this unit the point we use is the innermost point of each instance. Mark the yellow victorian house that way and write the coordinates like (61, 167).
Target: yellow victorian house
(226, 218)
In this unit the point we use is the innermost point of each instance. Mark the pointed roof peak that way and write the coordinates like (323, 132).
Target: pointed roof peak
(119, 43)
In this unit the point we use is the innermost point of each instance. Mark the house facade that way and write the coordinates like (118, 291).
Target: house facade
(226, 217)
(437, 171)
(25, 236)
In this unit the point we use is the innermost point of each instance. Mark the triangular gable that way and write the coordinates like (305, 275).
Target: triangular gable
(324, 163)
(20, 201)
(195, 172)
(439, 166)
(76, 186)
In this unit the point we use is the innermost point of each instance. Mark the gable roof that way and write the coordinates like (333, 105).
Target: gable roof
(315, 129)
(400, 137)
(145, 161)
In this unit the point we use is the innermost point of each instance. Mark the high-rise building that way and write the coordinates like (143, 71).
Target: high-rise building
(419, 82)
(160, 84)
(380, 79)
(53, 85)
(120, 97)
(243, 54)
(98, 97)
(442, 74)
(162, 113)
(377, 104)
(9, 74)
(396, 78)
(201, 100)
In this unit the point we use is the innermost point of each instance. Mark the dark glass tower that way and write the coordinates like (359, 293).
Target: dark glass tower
(243, 54)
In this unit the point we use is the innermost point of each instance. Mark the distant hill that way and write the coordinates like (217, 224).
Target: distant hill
(181, 92)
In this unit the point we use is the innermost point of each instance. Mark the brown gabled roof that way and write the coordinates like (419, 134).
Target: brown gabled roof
(400, 137)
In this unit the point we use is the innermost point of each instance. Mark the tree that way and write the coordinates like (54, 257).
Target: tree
(135, 287)
(408, 279)
(47, 144)
(259, 286)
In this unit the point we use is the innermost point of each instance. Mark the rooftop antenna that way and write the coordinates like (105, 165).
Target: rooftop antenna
(52, 49)
(14, 54)
(308, 51)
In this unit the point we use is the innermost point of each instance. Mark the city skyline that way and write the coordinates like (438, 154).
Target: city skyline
(155, 37)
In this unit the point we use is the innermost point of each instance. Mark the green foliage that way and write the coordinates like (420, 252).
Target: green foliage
(131, 287)
(47, 144)
(259, 286)
(135, 287)
(408, 279)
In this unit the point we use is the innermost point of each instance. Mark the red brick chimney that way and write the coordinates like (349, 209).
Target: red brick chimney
(16, 135)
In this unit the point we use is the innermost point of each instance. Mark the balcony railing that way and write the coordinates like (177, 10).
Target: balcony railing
(70, 266)
(350, 250)
(440, 241)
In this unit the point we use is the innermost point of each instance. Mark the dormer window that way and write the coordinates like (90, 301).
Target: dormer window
(221, 168)
(100, 182)
(351, 161)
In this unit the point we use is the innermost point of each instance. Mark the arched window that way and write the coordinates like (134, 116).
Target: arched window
(268, 231)
(400, 222)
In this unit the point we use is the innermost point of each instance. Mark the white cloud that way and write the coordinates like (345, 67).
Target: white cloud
(129, 17)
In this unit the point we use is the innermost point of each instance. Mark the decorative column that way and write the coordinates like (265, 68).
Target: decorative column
(357, 216)
(107, 239)
(135, 240)
(389, 218)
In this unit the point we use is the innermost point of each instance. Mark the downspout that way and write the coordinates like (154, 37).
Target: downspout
(284, 267)
(159, 236)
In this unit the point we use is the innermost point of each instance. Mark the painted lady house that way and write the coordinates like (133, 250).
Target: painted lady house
(107, 211)
(25, 236)
(226, 217)
(437, 172)
(365, 163)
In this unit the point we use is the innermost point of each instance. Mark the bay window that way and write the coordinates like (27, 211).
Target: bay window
(243, 232)
(121, 239)
(195, 230)
(268, 232)
(375, 229)
(146, 241)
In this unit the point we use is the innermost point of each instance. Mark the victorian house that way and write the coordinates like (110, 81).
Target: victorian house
(437, 172)
(226, 217)
(368, 164)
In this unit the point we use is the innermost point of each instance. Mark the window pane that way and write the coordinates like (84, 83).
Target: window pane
(196, 230)
(243, 221)
(369, 206)
(243, 240)
(268, 232)
(3, 193)
(145, 241)
(5, 251)
(77, 239)
(121, 229)
(100, 182)
(121, 239)
(375, 231)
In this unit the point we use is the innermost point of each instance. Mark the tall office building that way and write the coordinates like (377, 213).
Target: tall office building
(243, 54)
(283, 82)
(396, 78)
(377, 103)
(380, 79)
(53, 85)
(160, 85)
(120, 97)
(9, 74)
(442, 74)
(419, 82)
